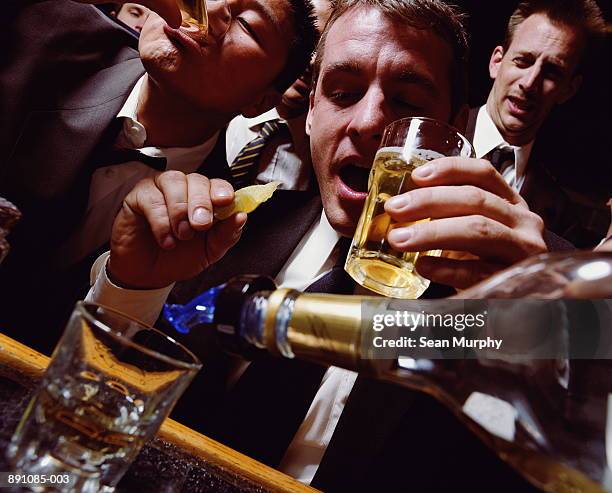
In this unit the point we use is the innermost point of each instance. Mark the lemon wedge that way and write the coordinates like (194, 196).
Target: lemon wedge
(247, 199)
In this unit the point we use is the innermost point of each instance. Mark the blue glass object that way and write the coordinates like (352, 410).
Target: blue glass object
(200, 310)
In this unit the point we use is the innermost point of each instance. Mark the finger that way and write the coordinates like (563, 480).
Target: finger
(464, 171)
(167, 9)
(449, 201)
(478, 235)
(460, 274)
(148, 201)
(221, 192)
(224, 235)
(173, 184)
(200, 208)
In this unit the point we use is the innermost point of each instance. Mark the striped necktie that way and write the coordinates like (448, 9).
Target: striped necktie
(245, 166)
(502, 158)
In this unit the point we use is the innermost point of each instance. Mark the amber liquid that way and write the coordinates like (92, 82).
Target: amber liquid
(371, 261)
(83, 427)
(195, 13)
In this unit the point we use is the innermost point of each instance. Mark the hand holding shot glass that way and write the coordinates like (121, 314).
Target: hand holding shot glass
(110, 384)
(406, 145)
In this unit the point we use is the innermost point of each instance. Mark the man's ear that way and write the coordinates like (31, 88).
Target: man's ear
(309, 116)
(461, 118)
(266, 102)
(572, 89)
(495, 61)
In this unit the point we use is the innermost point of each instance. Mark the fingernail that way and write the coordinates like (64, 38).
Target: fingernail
(423, 171)
(184, 230)
(168, 243)
(400, 235)
(399, 201)
(200, 216)
(241, 218)
(223, 193)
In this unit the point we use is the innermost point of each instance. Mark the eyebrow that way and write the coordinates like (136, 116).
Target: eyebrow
(406, 76)
(266, 12)
(347, 67)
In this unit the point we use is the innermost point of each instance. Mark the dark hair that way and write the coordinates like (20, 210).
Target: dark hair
(446, 20)
(584, 15)
(302, 45)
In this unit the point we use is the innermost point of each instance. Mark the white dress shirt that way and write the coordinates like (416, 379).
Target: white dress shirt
(487, 138)
(284, 166)
(110, 184)
(314, 257)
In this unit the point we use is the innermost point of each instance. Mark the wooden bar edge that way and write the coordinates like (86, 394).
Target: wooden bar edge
(32, 364)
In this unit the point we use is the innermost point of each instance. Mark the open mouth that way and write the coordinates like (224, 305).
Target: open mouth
(355, 177)
(521, 104)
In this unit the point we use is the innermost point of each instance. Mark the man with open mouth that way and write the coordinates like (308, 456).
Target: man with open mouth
(538, 66)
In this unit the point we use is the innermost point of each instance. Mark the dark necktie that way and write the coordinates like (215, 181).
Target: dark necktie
(502, 158)
(244, 167)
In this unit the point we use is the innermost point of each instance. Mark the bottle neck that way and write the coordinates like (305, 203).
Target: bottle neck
(322, 328)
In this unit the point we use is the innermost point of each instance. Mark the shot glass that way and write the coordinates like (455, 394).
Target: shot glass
(110, 383)
(205, 15)
(406, 145)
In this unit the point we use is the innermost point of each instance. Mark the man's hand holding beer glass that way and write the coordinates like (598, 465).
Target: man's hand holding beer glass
(474, 211)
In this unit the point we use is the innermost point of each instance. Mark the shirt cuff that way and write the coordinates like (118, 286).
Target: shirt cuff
(141, 304)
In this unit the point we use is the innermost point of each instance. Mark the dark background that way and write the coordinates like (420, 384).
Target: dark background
(577, 134)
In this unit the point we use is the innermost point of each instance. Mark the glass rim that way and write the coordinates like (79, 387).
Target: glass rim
(427, 119)
(81, 307)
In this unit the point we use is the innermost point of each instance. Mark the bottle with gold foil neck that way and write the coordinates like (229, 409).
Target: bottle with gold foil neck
(548, 417)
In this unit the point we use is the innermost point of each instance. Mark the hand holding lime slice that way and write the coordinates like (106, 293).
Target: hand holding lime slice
(247, 199)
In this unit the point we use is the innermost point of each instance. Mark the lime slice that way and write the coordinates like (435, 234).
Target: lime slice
(247, 199)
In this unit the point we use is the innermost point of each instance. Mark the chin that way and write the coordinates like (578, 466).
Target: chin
(342, 220)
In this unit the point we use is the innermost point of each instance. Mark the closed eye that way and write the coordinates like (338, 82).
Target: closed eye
(343, 97)
(407, 105)
(247, 27)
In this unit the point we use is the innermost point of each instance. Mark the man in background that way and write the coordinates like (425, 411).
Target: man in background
(132, 15)
(538, 67)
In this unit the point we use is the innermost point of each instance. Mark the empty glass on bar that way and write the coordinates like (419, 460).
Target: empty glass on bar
(406, 145)
(110, 383)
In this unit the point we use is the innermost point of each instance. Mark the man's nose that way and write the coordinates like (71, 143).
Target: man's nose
(531, 79)
(369, 118)
(219, 18)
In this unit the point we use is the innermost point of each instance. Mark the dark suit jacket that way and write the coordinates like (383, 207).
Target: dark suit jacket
(388, 438)
(65, 73)
(545, 196)
(66, 70)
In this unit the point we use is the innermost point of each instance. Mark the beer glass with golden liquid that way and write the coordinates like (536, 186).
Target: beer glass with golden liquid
(406, 145)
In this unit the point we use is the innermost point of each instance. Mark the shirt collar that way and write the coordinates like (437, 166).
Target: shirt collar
(254, 123)
(134, 135)
(487, 138)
